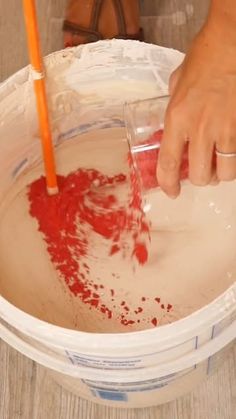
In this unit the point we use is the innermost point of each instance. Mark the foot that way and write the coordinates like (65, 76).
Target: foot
(109, 23)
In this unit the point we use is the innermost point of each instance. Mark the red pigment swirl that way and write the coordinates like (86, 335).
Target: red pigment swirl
(87, 204)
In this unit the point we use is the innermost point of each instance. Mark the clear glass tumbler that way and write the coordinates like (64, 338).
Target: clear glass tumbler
(144, 121)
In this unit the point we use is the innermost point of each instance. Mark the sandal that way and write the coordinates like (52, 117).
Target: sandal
(107, 19)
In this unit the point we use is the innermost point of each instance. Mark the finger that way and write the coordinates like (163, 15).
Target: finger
(226, 163)
(226, 168)
(214, 179)
(174, 78)
(169, 162)
(201, 151)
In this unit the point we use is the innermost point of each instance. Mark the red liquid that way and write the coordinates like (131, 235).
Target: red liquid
(147, 163)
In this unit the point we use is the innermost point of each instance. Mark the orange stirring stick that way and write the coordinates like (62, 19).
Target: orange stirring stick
(40, 93)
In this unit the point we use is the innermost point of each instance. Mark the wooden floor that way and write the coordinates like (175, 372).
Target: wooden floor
(26, 392)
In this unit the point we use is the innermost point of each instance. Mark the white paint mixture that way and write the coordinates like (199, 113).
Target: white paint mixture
(192, 254)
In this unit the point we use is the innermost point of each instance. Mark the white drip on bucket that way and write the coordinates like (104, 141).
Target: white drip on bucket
(121, 369)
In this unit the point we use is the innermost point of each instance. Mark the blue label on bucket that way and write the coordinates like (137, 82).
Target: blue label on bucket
(120, 391)
(114, 396)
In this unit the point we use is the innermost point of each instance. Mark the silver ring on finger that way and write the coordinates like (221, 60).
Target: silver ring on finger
(223, 154)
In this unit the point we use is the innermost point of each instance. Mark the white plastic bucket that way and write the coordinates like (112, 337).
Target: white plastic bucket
(126, 370)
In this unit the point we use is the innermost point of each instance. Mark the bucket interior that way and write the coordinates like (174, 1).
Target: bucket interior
(191, 255)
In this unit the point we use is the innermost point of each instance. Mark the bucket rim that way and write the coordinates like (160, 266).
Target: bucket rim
(178, 332)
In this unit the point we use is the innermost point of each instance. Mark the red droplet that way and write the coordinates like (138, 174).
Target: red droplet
(94, 303)
(141, 253)
(112, 292)
(127, 322)
(139, 310)
(115, 249)
(154, 321)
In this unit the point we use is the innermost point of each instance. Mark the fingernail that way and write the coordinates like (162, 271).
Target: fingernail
(171, 195)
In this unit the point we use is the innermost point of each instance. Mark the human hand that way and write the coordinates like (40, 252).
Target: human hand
(202, 111)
